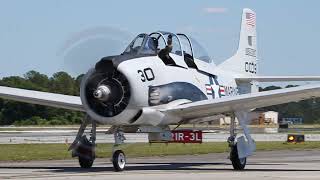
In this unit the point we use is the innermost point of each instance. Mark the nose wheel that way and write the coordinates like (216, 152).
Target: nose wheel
(118, 160)
(118, 157)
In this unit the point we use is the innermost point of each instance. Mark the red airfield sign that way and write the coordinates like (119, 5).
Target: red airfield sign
(186, 136)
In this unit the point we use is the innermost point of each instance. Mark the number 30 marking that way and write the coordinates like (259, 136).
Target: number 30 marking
(146, 75)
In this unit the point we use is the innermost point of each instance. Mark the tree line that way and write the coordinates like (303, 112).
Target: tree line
(308, 110)
(17, 113)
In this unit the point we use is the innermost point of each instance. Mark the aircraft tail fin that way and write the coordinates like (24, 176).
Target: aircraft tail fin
(244, 61)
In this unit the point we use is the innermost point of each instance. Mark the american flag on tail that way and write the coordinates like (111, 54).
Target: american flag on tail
(251, 19)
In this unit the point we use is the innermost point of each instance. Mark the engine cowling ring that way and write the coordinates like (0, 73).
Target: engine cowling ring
(119, 97)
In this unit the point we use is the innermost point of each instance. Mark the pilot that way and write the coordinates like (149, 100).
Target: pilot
(169, 44)
(164, 53)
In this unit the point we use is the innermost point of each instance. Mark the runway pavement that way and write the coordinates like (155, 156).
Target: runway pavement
(288, 165)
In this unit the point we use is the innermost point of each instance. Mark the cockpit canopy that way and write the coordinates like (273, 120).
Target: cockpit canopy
(182, 45)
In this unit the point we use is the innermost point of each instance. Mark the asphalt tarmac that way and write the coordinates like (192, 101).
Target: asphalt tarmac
(263, 165)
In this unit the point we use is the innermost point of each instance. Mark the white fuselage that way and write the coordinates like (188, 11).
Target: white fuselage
(145, 72)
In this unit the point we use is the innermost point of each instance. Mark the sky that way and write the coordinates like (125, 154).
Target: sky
(58, 35)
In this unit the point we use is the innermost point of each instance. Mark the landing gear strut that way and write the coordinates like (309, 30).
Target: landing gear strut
(84, 148)
(237, 163)
(118, 157)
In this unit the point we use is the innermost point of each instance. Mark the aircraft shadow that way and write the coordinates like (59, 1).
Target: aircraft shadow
(163, 166)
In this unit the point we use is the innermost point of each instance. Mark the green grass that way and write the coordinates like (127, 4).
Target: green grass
(25, 152)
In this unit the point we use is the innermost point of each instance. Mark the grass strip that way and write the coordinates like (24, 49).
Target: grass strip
(26, 152)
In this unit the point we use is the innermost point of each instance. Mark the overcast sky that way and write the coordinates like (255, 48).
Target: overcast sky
(49, 36)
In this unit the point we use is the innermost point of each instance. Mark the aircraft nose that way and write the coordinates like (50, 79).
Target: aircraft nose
(105, 91)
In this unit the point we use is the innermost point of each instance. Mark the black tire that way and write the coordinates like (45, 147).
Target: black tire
(85, 162)
(119, 160)
(238, 164)
(85, 153)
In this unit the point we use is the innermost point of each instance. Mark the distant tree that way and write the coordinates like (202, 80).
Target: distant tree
(62, 82)
(41, 81)
(18, 82)
(14, 111)
(308, 109)
(1, 103)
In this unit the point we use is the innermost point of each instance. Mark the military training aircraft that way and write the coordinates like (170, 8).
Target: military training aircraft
(164, 79)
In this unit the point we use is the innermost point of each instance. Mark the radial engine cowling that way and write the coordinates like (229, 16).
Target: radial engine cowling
(105, 92)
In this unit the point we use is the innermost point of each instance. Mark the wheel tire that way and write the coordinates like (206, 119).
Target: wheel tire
(85, 153)
(85, 162)
(238, 164)
(119, 160)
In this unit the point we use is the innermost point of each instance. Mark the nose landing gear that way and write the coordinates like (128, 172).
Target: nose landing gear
(118, 160)
(118, 157)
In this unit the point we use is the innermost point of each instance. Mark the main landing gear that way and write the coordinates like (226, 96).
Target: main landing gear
(84, 148)
(237, 163)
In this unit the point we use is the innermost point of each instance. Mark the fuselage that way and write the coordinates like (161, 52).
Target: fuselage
(150, 72)
(121, 90)
(153, 83)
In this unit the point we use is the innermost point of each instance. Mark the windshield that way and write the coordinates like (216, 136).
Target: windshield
(199, 52)
(143, 44)
(176, 46)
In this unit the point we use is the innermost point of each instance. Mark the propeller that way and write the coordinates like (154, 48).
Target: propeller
(83, 49)
(106, 91)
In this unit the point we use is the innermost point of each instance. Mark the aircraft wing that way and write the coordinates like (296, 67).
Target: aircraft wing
(278, 78)
(243, 102)
(42, 98)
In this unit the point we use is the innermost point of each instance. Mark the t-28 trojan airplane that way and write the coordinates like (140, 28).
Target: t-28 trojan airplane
(164, 79)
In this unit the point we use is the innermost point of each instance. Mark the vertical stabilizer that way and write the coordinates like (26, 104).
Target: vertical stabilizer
(245, 60)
